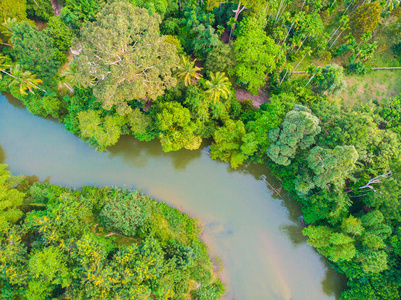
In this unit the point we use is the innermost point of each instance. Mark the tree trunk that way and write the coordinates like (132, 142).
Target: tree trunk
(299, 63)
(237, 12)
(285, 75)
(310, 79)
(336, 39)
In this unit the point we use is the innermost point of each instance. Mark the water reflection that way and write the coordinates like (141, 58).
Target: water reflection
(13, 101)
(333, 283)
(138, 153)
(294, 233)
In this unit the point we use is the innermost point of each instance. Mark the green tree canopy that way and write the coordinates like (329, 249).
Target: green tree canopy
(365, 18)
(221, 59)
(10, 9)
(297, 131)
(176, 129)
(255, 54)
(11, 199)
(35, 51)
(72, 254)
(124, 58)
(100, 131)
(332, 165)
(329, 79)
(232, 144)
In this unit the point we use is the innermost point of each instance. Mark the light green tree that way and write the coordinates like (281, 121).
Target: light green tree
(124, 58)
(255, 53)
(335, 245)
(100, 131)
(47, 267)
(176, 129)
(11, 199)
(232, 144)
(141, 125)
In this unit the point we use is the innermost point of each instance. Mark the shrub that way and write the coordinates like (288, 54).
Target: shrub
(125, 212)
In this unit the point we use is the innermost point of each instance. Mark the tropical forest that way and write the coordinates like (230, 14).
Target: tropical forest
(200, 149)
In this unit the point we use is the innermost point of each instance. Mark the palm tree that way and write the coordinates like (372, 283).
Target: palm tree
(25, 79)
(68, 78)
(7, 28)
(3, 64)
(218, 86)
(188, 71)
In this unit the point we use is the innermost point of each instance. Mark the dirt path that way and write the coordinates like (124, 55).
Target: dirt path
(257, 100)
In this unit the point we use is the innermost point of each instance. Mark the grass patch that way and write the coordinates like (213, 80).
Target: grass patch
(375, 85)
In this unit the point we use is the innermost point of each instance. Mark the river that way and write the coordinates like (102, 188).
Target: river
(256, 233)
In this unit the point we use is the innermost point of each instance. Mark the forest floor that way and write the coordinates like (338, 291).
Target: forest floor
(257, 100)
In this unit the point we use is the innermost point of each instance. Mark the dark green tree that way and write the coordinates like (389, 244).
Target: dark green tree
(297, 131)
(125, 212)
(328, 80)
(35, 51)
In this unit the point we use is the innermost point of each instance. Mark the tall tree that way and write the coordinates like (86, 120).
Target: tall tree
(255, 54)
(176, 129)
(35, 51)
(297, 131)
(124, 58)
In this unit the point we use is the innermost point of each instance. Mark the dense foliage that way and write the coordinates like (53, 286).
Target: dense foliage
(97, 243)
(173, 70)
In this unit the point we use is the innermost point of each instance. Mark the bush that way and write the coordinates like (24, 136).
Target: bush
(125, 212)
(61, 33)
(357, 68)
(210, 292)
(397, 49)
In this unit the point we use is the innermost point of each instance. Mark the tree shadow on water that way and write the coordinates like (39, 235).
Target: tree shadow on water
(13, 101)
(3, 155)
(137, 153)
(334, 283)
(294, 233)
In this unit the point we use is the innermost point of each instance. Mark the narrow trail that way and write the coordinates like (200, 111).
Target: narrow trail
(257, 100)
